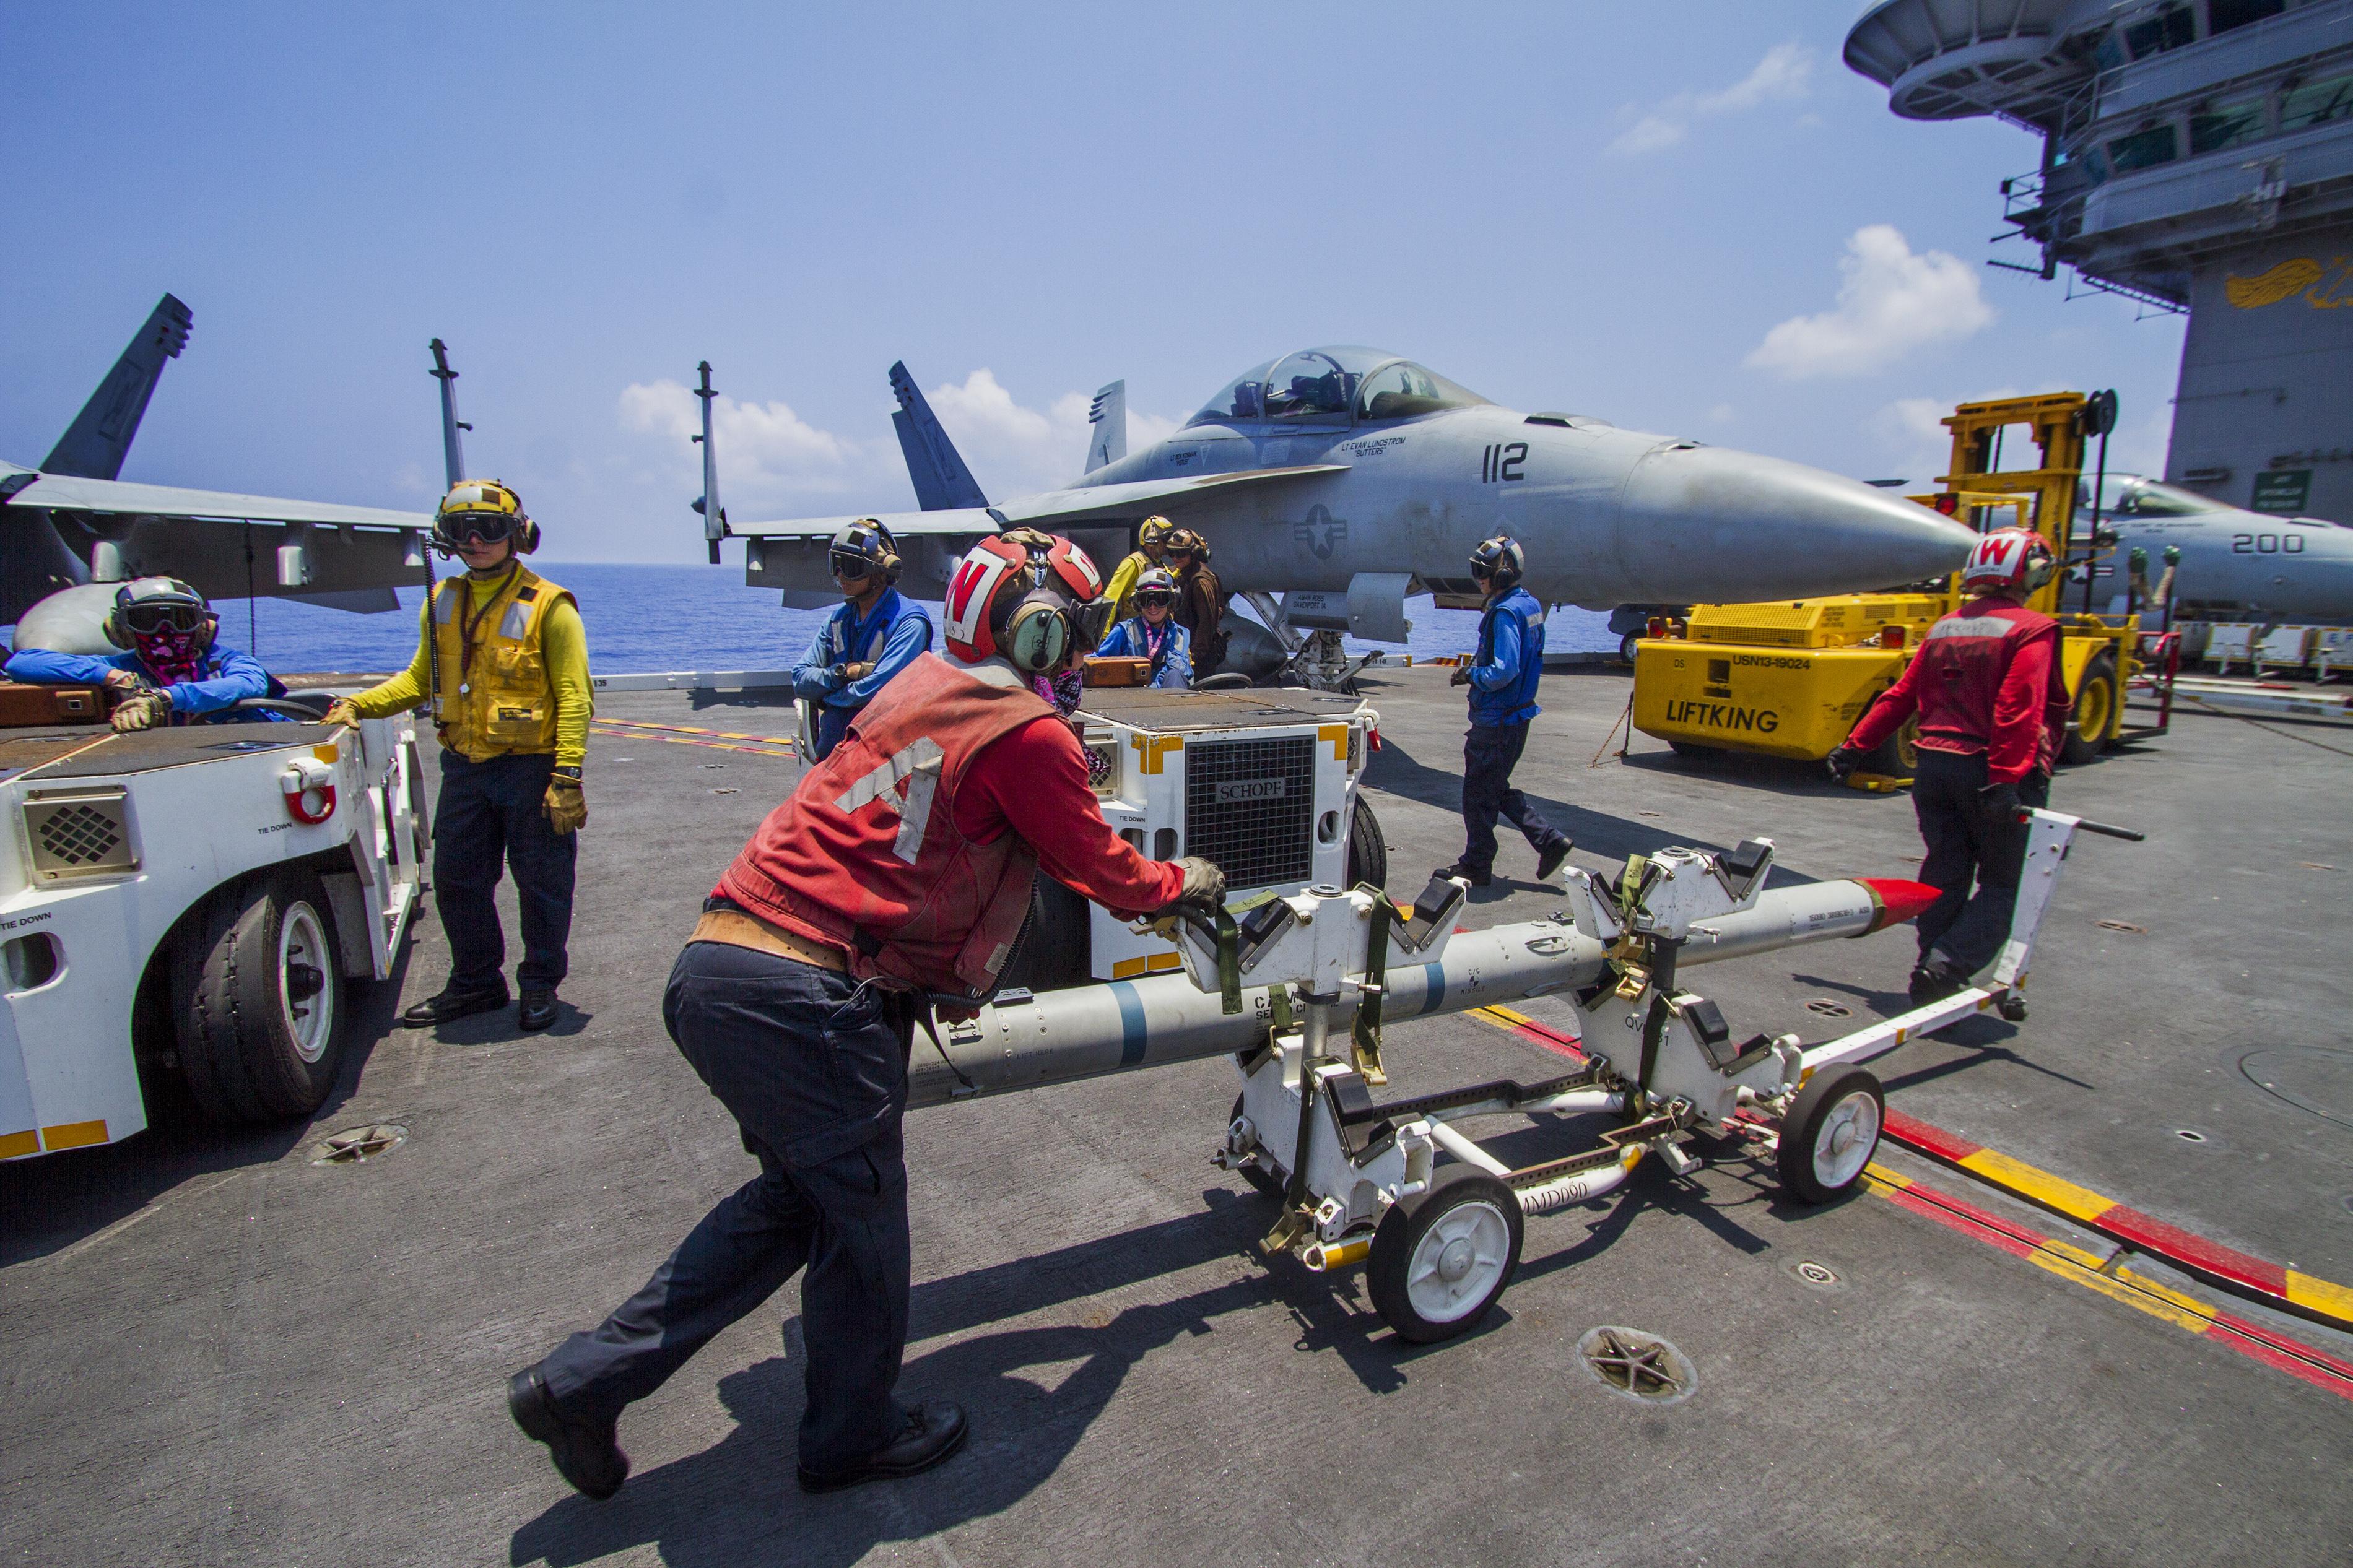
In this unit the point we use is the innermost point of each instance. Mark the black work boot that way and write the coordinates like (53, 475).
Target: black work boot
(452, 1003)
(1549, 861)
(1933, 980)
(587, 1453)
(1476, 879)
(934, 1431)
(538, 1009)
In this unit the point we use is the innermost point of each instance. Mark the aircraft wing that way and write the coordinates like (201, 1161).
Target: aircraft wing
(65, 492)
(1092, 504)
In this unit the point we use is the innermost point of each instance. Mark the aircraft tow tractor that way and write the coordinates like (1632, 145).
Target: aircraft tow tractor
(1297, 988)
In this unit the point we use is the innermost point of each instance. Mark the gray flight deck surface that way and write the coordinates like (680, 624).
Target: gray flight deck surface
(212, 1351)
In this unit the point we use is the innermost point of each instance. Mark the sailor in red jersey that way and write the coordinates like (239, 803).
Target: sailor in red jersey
(897, 875)
(1993, 703)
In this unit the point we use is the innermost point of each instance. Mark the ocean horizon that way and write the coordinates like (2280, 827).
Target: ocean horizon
(650, 619)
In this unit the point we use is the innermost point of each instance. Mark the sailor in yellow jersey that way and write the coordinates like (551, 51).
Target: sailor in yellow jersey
(510, 698)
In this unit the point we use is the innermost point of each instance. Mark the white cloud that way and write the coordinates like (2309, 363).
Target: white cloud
(773, 464)
(1890, 302)
(1723, 413)
(1781, 76)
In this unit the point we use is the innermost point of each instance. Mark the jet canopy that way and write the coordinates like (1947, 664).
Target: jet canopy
(1335, 386)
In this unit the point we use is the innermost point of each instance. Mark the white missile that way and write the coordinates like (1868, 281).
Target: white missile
(1123, 1026)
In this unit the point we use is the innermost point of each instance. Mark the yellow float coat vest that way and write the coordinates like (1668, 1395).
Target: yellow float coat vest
(500, 699)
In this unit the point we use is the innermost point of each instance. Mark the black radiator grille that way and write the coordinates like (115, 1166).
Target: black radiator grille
(1262, 831)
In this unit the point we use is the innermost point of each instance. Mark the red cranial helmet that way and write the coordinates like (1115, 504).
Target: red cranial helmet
(2014, 559)
(1027, 597)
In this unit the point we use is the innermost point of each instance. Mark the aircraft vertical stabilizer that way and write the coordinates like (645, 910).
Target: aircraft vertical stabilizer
(1107, 421)
(93, 447)
(942, 481)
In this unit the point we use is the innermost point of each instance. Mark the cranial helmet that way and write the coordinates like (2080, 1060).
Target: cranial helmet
(485, 510)
(1027, 597)
(161, 613)
(1500, 559)
(867, 547)
(1155, 580)
(1156, 531)
(2017, 559)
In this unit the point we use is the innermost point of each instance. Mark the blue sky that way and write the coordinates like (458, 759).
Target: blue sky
(1686, 218)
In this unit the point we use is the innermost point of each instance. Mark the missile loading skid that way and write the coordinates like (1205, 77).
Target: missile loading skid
(1298, 989)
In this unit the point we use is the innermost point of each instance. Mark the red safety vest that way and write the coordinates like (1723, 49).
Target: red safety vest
(866, 855)
(1956, 676)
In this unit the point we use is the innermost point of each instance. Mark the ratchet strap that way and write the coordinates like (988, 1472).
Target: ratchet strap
(1367, 1032)
(1229, 963)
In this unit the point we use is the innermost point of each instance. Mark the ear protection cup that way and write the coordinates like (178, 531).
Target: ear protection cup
(526, 535)
(1037, 637)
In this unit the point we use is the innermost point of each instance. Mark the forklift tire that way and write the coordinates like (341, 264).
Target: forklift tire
(1831, 1132)
(1440, 1260)
(1626, 645)
(1369, 852)
(2095, 710)
(1259, 1178)
(1898, 756)
(258, 999)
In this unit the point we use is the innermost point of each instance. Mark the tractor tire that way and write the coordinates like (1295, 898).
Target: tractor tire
(1369, 852)
(258, 999)
(2095, 712)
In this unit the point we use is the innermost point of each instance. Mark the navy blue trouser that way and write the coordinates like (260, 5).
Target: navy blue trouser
(490, 815)
(1968, 843)
(813, 1066)
(1490, 752)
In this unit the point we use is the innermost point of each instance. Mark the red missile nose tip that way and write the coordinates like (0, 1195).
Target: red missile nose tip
(1899, 900)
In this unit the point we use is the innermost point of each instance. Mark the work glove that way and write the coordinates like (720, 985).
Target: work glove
(123, 680)
(2001, 799)
(853, 673)
(1462, 676)
(341, 711)
(565, 803)
(142, 710)
(1204, 890)
(1842, 761)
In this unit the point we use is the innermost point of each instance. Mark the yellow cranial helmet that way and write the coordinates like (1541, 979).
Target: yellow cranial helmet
(1156, 530)
(485, 510)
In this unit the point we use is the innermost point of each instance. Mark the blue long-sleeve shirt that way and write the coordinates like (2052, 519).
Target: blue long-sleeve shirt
(1174, 668)
(235, 677)
(1509, 661)
(897, 627)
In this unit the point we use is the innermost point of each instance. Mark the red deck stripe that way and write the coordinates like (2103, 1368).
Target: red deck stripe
(1932, 1141)
(2171, 1242)
(2281, 1343)
(1935, 1209)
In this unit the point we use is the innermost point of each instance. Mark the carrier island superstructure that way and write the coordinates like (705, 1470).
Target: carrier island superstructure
(2197, 156)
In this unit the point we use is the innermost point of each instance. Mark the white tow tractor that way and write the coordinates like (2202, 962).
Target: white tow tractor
(192, 901)
(1359, 1181)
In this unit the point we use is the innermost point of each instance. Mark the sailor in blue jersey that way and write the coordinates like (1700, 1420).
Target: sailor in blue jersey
(1503, 681)
(872, 637)
(1153, 632)
(176, 671)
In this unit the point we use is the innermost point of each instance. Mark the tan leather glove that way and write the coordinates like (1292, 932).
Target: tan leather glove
(123, 680)
(342, 712)
(1204, 890)
(852, 673)
(565, 803)
(1462, 676)
(145, 710)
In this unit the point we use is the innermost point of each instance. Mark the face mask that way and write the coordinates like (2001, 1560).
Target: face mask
(171, 656)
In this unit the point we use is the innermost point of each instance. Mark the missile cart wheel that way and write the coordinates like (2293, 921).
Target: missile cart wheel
(258, 998)
(1259, 1178)
(1831, 1132)
(1369, 852)
(2095, 711)
(1440, 1260)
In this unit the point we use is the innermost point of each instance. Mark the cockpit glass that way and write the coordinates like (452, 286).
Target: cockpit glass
(2129, 496)
(1403, 389)
(1324, 385)
(1309, 384)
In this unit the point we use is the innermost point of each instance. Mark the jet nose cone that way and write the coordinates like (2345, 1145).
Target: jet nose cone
(1707, 524)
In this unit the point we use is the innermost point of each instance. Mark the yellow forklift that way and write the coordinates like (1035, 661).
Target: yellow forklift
(1791, 679)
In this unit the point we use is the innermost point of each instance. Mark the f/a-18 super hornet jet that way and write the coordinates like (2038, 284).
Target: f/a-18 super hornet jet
(2236, 566)
(1346, 479)
(69, 530)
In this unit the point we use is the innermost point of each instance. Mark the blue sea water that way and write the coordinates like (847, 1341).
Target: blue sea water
(670, 617)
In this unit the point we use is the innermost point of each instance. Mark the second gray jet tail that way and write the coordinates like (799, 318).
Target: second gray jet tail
(93, 447)
(1107, 427)
(942, 481)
